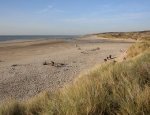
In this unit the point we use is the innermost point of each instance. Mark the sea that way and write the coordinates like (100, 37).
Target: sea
(34, 37)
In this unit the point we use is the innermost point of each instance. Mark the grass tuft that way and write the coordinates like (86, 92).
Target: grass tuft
(138, 48)
(13, 108)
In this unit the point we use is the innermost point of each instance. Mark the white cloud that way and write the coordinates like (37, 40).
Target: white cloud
(49, 9)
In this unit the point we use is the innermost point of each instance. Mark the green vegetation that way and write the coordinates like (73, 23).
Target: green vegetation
(121, 88)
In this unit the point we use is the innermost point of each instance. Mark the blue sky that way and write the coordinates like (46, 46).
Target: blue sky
(51, 17)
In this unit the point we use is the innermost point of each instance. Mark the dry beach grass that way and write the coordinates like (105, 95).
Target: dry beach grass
(110, 88)
(139, 35)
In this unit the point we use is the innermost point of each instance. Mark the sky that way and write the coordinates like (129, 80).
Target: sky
(72, 17)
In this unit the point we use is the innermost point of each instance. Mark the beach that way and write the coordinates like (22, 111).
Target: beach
(33, 66)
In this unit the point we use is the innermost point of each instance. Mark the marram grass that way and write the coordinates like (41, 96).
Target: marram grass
(121, 88)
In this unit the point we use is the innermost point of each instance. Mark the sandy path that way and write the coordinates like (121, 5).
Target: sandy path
(29, 77)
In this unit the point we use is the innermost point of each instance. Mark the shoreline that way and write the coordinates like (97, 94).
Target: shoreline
(24, 38)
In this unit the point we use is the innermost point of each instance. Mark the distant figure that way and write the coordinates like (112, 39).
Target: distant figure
(79, 48)
(45, 63)
(107, 57)
(110, 56)
(105, 60)
(121, 50)
(114, 61)
(98, 48)
(76, 45)
(124, 58)
(52, 63)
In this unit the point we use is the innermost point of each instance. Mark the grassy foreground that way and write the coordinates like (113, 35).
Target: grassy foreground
(121, 88)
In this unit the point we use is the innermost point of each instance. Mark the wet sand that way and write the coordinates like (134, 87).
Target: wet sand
(26, 69)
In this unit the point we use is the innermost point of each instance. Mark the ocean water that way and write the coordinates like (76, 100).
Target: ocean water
(33, 37)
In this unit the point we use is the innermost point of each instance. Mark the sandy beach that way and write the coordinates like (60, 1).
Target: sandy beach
(26, 68)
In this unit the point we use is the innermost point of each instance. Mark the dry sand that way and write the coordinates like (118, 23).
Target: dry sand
(23, 75)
